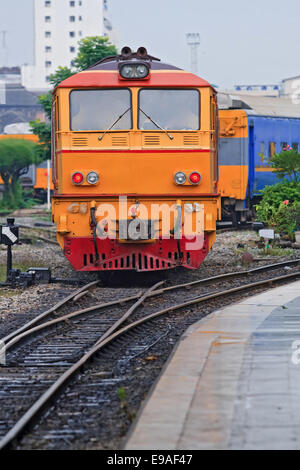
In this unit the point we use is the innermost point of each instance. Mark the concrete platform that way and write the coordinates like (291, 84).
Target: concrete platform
(233, 381)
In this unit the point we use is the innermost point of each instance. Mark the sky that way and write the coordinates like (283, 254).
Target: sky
(242, 42)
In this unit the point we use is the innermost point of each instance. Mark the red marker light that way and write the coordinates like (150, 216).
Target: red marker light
(77, 178)
(195, 177)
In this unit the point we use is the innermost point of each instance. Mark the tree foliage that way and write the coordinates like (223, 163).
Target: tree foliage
(43, 131)
(286, 164)
(61, 74)
(16, 155)
(91, 50)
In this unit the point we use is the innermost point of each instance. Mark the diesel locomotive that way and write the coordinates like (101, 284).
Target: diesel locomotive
(135, 165)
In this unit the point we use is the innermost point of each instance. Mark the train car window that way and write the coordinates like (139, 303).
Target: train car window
(98, 110)
(272, 149)
(170, 109)
(295, 146)
(262, 152)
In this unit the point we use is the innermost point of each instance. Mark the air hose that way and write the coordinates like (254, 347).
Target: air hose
(94, 227)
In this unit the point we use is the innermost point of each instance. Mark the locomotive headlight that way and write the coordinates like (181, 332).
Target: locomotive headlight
(92, 177)
(132, 71)
(127, 71)
(180, 177)
(142, 71)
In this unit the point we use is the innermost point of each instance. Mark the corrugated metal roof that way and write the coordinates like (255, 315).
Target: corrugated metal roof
(261, 105)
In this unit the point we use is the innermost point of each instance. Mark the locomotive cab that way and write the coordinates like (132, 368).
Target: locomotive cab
(135, 165)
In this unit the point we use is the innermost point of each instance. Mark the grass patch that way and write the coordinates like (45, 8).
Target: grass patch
(276, 251)
(23, 266)
(9, 293)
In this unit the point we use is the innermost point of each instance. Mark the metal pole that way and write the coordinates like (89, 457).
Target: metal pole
(193, 40)
(48, 189)
(9, 261)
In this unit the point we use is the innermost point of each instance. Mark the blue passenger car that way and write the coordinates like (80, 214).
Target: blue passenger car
(252, 129)
(268, 135)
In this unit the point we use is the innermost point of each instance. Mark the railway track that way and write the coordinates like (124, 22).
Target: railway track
(37, 231)
(43, 357)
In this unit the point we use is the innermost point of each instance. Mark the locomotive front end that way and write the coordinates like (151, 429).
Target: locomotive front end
(135, 166)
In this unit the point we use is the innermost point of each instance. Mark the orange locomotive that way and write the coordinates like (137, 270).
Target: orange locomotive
(131, 133)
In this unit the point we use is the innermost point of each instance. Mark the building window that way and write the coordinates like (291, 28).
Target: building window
(47, 3)
(80, 18)
(48, 34)
(283, 146)
(48, 49)
(48, 63)
(80, 33)
(47, 19)
(48, 78)
(80, 3)
(72, 34)
(72, 4)
(295, 146)
(72, 19)
(72, 49)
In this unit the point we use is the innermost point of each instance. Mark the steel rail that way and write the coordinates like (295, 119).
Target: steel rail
(24, 332)
(31, 331)
(36, 407)
(48, 312)
(51, 392)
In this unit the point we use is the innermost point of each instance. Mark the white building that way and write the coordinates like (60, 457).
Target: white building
(291, 88)
(58, 26)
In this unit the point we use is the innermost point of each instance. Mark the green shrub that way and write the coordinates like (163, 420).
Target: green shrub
(284, 219)
(273, 197)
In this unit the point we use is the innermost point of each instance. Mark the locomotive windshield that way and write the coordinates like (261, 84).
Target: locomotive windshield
(170, 109)
(94, 110)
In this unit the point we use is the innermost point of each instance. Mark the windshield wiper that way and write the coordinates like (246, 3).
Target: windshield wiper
(157, 125)
(116, 121)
